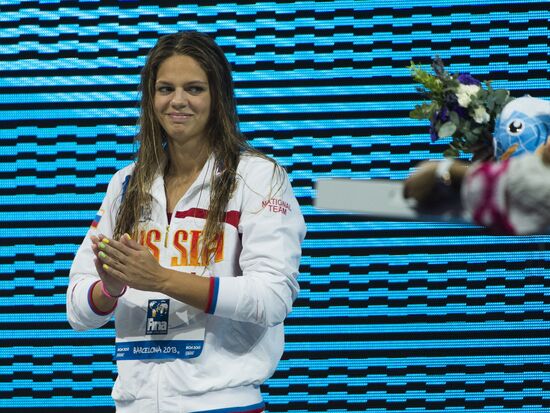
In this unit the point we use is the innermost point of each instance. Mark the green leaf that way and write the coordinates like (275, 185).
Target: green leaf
(471, 138)
(423, 111)
(429, 81)
(450, 152)
(454, 117)
(447, 129)
(501, 98)
(490, 105)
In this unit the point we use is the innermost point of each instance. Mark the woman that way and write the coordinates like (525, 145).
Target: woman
(511, 197)
(195, 249)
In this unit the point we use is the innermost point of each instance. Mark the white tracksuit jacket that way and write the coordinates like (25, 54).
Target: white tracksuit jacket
(170, 354)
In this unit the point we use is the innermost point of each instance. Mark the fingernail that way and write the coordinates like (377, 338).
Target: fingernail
(105, 267)
(101, 245)
(105, 240)
(128, 236)
(102, 254)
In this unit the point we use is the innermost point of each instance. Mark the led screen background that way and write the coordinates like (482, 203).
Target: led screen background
(393, 316)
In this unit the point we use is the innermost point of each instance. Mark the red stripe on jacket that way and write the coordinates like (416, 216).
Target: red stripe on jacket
(231, 217)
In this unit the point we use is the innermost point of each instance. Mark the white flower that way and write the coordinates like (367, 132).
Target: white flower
(481, 115)
(464, 94)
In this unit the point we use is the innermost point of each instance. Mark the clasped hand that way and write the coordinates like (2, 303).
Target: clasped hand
(125, 262)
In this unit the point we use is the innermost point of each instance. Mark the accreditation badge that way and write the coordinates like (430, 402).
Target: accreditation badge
(157, 328)
(157, 317)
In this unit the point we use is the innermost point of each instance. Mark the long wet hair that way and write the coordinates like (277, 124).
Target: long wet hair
(223, 136)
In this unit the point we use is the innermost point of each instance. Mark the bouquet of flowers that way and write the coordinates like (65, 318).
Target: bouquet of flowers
(459, 107)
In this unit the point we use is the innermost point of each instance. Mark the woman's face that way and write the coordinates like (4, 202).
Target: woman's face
(182, 99)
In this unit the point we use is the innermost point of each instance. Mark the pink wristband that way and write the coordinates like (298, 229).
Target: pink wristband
(106, 293)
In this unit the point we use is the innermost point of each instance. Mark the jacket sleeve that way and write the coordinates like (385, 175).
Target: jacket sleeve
(81, 313)
(511, 197)
(272, 228)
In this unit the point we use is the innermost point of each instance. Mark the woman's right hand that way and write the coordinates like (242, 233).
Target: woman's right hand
(111, 284)
(421, 183)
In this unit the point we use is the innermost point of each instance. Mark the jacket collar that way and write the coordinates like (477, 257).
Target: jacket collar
(201, 182)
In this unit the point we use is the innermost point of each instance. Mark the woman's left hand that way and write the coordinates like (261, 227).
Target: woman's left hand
(131, 263)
